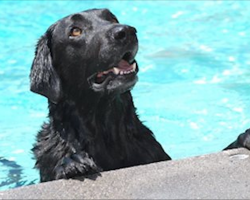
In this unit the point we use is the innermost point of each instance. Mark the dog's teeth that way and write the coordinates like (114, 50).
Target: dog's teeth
(116, 70)
(134, 66)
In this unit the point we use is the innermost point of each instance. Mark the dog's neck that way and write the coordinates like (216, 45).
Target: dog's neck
(99, 111)
(92, 103)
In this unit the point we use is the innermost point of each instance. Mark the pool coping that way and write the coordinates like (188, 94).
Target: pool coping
(222, 175)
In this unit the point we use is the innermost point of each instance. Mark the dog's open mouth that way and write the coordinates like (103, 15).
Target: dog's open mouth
(122, 76)
(123, 68)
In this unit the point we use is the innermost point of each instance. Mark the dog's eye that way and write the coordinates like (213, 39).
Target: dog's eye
(75, 32)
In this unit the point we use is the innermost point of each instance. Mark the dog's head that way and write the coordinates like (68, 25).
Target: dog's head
(86, 51)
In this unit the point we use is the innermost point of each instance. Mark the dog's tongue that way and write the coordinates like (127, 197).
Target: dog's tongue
(123, 64)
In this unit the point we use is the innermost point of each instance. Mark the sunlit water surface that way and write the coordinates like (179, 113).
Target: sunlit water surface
(194, 79)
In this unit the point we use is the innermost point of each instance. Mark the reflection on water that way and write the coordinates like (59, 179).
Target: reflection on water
(12, 175)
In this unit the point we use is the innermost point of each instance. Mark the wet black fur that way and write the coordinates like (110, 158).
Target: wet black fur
(87, 130)
(90, 130)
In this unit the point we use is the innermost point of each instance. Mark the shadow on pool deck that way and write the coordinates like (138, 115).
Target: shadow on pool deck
(223, 175)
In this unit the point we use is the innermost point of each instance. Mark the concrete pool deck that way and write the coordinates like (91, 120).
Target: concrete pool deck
(223, 175)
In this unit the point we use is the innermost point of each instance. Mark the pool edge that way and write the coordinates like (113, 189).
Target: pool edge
(218, 175)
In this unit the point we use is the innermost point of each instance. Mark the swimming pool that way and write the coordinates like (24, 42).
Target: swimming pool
(193, 89)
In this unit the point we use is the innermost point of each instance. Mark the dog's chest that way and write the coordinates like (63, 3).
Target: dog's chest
(112, 152)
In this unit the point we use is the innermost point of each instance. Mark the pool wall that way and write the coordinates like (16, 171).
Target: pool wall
(223, 175)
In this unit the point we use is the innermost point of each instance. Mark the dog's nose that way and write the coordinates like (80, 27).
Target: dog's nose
(123, 32)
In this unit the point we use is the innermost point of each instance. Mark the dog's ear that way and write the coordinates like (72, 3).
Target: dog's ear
(44, 79)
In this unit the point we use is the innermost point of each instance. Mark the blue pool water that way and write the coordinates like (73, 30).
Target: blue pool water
(194, 80)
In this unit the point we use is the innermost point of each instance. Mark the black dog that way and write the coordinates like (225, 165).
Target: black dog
(85, 65)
